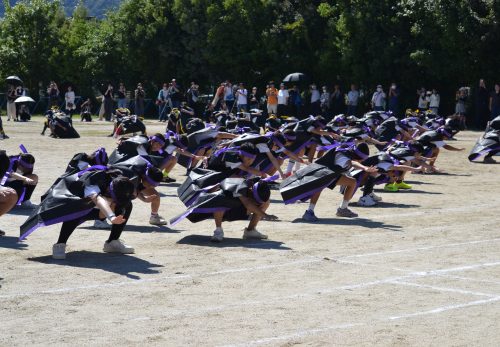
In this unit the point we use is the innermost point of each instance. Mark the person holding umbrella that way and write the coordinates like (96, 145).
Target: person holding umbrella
(12, 82)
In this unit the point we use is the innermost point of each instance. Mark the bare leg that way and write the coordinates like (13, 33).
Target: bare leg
(256, 218)
(350, 184)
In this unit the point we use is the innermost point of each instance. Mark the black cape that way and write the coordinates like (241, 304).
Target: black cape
(65, 201)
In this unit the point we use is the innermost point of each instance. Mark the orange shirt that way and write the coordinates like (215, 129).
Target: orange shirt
(272, 96)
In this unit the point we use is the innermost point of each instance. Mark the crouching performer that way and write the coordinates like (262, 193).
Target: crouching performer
(233, 199)
(94, 193)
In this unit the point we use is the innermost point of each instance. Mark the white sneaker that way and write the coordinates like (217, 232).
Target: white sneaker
(157, 220)
(101, 224)
(375, 197)
(117, 246)
(218, 235)
(28, 204)
(59, 251)
(366, 201)
(253, 234)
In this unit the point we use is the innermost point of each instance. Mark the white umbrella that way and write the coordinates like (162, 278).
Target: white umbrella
(24, 99)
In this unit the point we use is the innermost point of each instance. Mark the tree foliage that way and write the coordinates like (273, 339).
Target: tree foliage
(439, 43)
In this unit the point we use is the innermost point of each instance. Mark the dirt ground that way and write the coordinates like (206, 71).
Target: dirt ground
(421, 269)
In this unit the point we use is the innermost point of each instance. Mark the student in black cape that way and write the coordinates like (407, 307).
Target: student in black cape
(8, 196)
(87, 195)
(21, 178)
(488, 144)
(234, 199)
(327, 172)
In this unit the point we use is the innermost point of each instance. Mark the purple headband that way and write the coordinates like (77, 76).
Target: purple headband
(246, 154)
(157, 139)
(276, 141)
(149, 179)
(256, 194)
(100, 154)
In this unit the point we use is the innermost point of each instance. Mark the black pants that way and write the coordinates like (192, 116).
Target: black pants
(116, 229)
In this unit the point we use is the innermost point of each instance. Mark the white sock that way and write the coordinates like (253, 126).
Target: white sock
(311, 207)
(344, 204)
(290, 166)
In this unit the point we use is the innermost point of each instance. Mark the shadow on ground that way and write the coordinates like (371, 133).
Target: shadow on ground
(139, 229)
(204, 240)
(11, 242)
(362, 222)
(125, 265)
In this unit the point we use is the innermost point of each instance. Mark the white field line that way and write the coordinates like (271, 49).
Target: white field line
(443, 289)
(309, 332)
(309, 260)
(312, 295)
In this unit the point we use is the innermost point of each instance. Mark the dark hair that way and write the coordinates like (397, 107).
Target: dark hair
(123, 190)
(160, 136)
(27, 158)
(363, 148)
(249, 148)
(154, 174)
(183, 140)
(263, 193)
(4, 163)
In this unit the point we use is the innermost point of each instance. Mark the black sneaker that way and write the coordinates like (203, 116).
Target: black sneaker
(167, 179)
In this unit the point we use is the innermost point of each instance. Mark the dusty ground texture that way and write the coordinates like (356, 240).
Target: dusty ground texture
(421, 269)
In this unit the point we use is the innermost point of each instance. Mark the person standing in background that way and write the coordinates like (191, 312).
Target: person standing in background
(229, 95)
(254, 99)
(139, 96)
(481, 106)
(11, 106)
(109, 102)
(435, 100)
(394, 99)
(325, 103)
(352, 101)
(53, 93)
(122, 96)
(315, 100)
(423, 100)
(242, 95)
(161, 101)
(272, 99)
(283, 96)
(337, 101)
(378, 99)
(69, 98)
(495, 102)
(460, 107)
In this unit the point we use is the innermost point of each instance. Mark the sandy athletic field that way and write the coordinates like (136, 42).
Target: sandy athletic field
(421, 269)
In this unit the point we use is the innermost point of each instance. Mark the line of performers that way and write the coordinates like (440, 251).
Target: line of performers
(231, 168)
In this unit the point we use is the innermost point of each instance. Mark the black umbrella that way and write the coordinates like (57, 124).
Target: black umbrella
(14, 80)
(295, 77)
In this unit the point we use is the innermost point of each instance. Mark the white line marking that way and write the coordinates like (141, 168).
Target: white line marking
(425, 248)
(444, 289)
(446, 308)
(298, 334)
(303, 333)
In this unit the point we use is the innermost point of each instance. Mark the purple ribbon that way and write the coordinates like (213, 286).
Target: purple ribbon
(9, 170)
(246, 154)
(23, 149)
(256, 194)
(92, 168)
(157, 139)
(100, 155)
(112, 192)
(21, 198)
(149, 179)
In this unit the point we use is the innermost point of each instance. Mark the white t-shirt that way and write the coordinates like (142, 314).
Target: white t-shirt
(283, 97)
(91, 190)
(242, 96)
(435, 99)
(315, 96)
(423, 101)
